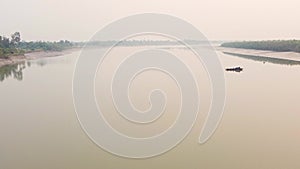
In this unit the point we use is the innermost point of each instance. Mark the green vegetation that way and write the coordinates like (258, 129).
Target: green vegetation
(9, 46)
(275, 45)
(45, 46)
(14, 46)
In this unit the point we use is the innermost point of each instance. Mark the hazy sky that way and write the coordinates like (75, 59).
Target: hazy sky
(217, 19)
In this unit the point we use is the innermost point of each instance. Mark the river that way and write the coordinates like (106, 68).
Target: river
(259, 129)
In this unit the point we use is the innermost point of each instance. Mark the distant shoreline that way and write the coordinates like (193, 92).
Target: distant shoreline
(292, 56)
(289, 56)
(34, 55)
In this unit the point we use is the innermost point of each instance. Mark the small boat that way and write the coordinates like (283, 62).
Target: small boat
(235, 69)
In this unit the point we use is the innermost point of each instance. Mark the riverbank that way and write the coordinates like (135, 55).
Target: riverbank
(292, 56)
(34, 55)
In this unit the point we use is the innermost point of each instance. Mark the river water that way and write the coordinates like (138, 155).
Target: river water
(260, 127)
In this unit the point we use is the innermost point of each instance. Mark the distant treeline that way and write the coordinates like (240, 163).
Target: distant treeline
(274, 45)
(129, 43)
(45, 46)
(142, 43)
(14, 46)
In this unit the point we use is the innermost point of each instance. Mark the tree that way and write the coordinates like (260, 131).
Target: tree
(1, 42)
(15, 38)
(5, 42)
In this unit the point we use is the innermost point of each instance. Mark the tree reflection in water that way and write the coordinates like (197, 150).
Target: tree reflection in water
(15, 71)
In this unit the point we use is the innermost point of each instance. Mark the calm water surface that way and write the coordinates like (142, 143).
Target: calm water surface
(260, 127)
